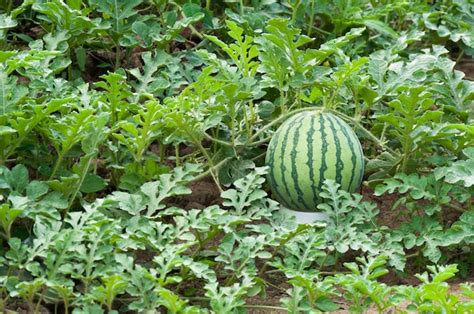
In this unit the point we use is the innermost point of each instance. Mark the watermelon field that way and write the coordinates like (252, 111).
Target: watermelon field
(236, 156)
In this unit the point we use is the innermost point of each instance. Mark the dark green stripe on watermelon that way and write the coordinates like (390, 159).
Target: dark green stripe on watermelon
(324, 149)
(352, 149)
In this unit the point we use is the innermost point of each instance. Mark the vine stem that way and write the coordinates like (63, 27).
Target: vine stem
(117, 56)
(459, 58)
(198, 143)
(81, 181)
(323, 262)
(295, 10)
(311, 19)
(56, 165)
(455, 207)
(259, 156)
(9, 6)
(367, 132)
(417, 253)
(196, 32)
(215, 140)
(281, 118)
(177, 157)
(211, 164)
(262, 141)
(342, 115)
(5, 235)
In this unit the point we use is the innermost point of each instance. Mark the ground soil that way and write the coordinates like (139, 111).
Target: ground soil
(467, 66)
(205, 193)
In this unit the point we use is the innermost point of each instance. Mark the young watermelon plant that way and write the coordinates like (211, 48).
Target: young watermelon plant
(147, 149)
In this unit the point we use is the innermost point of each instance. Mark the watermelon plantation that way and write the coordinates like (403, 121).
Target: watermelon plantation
(252, 156)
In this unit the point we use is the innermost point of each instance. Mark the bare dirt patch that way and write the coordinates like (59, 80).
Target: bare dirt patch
(467, 66)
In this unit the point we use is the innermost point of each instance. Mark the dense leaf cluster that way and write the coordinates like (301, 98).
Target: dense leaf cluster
(111, 110)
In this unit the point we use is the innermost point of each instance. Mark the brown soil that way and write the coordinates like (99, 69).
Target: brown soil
(205, 193)
(18, 306)
(276, 287)
(467, 66)
(388, 216)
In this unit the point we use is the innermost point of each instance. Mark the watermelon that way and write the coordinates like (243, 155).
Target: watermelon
(307, 149)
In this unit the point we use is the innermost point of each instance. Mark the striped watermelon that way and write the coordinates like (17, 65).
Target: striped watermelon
(307, 149)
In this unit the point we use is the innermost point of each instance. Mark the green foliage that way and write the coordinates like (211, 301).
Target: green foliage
(433, 295)
(417, 189)
(410, 114)
(152, 194)
(119, 13)
(139, 134)
(346, 215)
(243, 53)
(147, 82)
(361, 288)
(459, 171)
(131, 143)
(248, 194)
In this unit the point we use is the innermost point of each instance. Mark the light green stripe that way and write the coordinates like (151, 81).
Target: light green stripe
(359, 164)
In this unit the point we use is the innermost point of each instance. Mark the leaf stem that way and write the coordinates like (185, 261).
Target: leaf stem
(117, 56)
(455, 207)
(79, 184)
(213, 139)
(198, 143)
(311, 19)
(9, 6)
(215, 168)
(56, 165)
(177, 157)
(367, 132)
(281, 118)
(459, 58)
